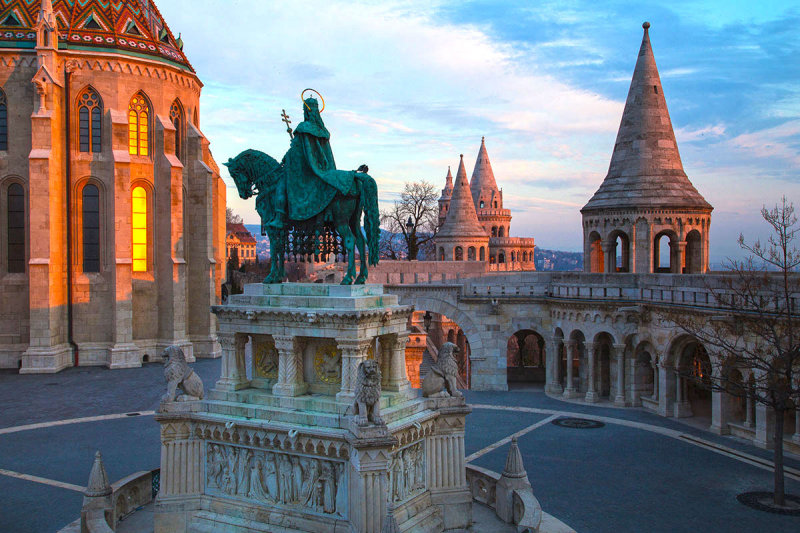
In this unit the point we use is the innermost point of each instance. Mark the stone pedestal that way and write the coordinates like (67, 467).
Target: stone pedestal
(282, 451)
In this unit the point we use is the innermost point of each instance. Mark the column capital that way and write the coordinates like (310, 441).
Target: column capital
(570, 343)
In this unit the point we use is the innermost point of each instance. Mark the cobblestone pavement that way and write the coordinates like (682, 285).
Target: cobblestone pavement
(637, 473)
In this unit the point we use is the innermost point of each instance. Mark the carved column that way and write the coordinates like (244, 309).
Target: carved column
(619, 350)
(609, 257)
(677, 256)
(552, 378)
(591, 391)
(290, 367)
(369, 464)
(234, 374)
(569, 390)
(398, 380)
(353, 353)
(654, 366)
(663, 390)
(446, 466)
(748, 420)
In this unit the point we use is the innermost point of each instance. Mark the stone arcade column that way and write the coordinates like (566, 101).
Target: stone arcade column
(663, 389)
(290, 367)
(591, 391)
(654, 366)
(233, 375)
(683, 409)
(619, 352)
(553, 377)
(569, 391)
(720, 410)
(796, 435)
(749, 415)
(765, 426)
(609, 257)
(677, 256)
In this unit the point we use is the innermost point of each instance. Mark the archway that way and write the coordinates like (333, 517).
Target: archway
(459, 253)
(694, 252)
(620, 250)
(525, 357)
(664, 260)
(602, 346)
(429, 331)
(483, 254)
(501, 231)
(471, 253)
(645, 376)
(576, 370)
(692, 382)
(595, 252)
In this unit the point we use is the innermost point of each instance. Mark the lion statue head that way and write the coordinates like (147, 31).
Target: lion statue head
(368, 381)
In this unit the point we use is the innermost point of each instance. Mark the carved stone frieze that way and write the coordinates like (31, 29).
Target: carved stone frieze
(281, 479)
(407, 472)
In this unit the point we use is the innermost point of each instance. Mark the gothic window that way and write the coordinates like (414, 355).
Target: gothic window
(176, 117)
(91, 228)
(139, 229)
(3, 121)
(482, 204)
(138, 125)
(90, 121)
(16, 228)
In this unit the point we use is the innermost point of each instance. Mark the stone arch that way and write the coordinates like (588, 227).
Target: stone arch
(619, 242)
(596, 261)
(603, 354)
(479, 359)
(687, 356)
(526, 357)
(501, 257)
(458, 253)
(501, 231)
(645, 373)
(669, 238)
(483, 254)
(494, 231)
(471, 254)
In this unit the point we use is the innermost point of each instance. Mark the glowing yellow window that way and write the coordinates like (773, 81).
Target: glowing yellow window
(138, 118)
(139, 229)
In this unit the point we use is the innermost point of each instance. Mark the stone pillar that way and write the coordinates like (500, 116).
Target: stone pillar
(233, 375)
(290, 367)
(353, 353)
(765, 426)
(181, 481)
(677, 252)
(609, 257)
(720, 410)
(663, 390)
(683, 408)
(369, 464)
(446, 465)
(619, 399)
(552, 372)
(749, 414)
(654, 366)
(398, 379)
(569, 390)
(591, 392)
(796, 436)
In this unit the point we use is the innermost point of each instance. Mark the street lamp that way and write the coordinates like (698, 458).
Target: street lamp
(409, 225)
(426, 320)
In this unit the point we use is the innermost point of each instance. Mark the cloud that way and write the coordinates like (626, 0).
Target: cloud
(704, 133)
(780, 142)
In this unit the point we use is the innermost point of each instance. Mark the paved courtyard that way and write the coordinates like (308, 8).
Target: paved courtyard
(639, 472)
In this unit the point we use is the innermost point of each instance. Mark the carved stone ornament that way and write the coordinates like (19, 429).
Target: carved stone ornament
(179, 374)
(441, 381)
(280, 479)
(328, 364)
(266, 358)
(367, 403)
(407, 472)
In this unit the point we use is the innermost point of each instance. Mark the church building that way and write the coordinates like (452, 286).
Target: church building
(112, 209)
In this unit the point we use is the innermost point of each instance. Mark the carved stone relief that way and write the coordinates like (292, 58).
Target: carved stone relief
(328, 364)
(315, 485)
(265, 359)
(407, 472)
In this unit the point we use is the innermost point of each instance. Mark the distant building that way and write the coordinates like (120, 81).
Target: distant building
(239, 242)
(474, 224)
(111, 206)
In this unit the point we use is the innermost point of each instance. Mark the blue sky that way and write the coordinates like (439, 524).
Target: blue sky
(411, 85)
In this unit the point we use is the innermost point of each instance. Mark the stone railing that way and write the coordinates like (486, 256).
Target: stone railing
(527, 515)
(130, 493)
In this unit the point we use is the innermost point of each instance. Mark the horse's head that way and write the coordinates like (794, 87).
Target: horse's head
(251, 170)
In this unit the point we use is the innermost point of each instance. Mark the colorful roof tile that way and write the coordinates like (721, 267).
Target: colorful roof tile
(133, 27)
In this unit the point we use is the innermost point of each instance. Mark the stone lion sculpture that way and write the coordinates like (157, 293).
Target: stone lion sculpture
(441, 381)
(367, 403)
(178, 373)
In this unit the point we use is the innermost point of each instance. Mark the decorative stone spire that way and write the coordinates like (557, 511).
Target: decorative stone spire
(514, 468)
(483, 185)
(46, 14)
(447, 192)
(461, 221)
(646, 169)
(98, 485)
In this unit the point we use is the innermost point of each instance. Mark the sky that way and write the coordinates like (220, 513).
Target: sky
(410, 85)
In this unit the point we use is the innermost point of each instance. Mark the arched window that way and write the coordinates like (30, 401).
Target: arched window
(501, 231)
(176, 117)
(483, 254)
(494, 231)
(3, 121)
(139, 229)
(138, 125)
(91, 228)
(90, 121)
(16, 228)
(501, 258)
(459, 254)
(482, 205)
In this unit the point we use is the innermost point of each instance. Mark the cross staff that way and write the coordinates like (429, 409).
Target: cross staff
(287, 121)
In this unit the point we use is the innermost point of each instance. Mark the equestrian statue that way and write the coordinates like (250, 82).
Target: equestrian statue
(308, 207)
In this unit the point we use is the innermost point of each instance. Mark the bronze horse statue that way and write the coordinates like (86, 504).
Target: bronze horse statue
(329, 221)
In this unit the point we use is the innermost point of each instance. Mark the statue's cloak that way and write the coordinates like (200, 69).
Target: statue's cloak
(311, 176)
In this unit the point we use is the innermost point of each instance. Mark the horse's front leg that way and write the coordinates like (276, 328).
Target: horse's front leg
(275, 258)
(355, 226)
(348, 239)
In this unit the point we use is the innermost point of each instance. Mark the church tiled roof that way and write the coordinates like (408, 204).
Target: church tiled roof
(132, 27)
(646, 169)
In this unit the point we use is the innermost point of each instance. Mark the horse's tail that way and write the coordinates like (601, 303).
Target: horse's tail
(372, 217)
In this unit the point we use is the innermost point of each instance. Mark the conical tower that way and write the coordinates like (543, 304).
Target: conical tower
(444, 199)
(646, 200)
(485, 193)
(461, 237)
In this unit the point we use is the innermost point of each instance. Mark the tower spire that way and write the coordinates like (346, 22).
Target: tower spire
(483, 185)
(461, 217)
(646, 168)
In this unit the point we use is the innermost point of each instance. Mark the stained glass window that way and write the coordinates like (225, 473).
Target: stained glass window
(139, 229)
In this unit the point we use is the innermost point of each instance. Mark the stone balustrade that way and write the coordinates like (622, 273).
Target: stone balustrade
(483, 486)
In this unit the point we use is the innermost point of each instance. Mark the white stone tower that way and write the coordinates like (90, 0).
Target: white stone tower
(646, 199)
(461, 237)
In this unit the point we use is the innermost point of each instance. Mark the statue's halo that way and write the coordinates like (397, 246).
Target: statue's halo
(302, 98)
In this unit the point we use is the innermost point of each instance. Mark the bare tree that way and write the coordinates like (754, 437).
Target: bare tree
(231, 217)
(415, 216)
(757, 331)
